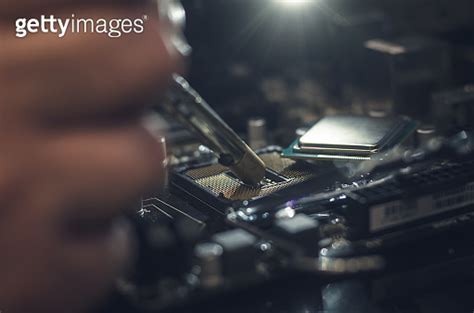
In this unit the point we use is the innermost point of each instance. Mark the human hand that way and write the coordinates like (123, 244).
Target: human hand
(74, 150)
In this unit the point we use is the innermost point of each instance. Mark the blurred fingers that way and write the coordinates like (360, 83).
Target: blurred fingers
(86, 75)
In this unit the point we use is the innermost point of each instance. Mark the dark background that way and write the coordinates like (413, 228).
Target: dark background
(292, 65)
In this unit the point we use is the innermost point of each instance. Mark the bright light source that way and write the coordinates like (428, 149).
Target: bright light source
(294, 2)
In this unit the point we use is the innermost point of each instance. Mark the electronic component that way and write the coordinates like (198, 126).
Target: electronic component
(406, 214)
(301, 228)
(257, 133)
(441, 189)
(191, 109)
(424, 187)
(239, 252)
(214, 186)
(350, 138)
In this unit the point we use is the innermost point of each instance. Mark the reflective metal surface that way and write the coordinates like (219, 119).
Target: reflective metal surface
(191, 109)
(173, 13)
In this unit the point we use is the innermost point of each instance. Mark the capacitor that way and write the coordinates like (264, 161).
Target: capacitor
(424, 134)
(209, 263)
(257, 133)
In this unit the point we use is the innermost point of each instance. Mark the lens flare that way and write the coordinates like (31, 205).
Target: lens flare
(294, 2)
